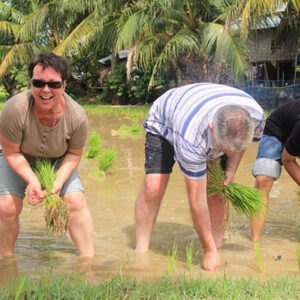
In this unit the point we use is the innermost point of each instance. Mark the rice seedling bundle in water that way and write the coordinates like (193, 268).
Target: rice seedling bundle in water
(106, 159)
(94, 145)
(244, 199)
(57, 215)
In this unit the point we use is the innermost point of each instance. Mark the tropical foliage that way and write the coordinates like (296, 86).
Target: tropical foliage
(176, 41)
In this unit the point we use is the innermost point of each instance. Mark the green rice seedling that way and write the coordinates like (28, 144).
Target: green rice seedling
(57, 215)
(172, 259)
(106, 159)
(259, 257)
(189, 255)
(133, 131)
(244, 199)
(130, 129)
(94, 145)
(298, 258)
(50, 252)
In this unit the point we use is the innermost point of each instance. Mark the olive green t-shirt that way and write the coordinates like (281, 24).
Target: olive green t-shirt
(19, 125)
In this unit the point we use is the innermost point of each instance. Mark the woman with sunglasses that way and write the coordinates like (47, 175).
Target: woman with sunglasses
(43, 122)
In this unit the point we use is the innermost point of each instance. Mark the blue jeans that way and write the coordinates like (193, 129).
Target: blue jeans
(268, 159)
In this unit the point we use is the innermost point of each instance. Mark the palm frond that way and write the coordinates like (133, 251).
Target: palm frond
(35, 22)
(129, 29)
(296, 4)
(182, 42)
(80, 36)
(9, 28)
(80, 6)
(226, 47)
(15, 14)
(248, 12)
(19, 53)
(147, 50)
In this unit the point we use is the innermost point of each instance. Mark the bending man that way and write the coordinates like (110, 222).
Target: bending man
(193, 124)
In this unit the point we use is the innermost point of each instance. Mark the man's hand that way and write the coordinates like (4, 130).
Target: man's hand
(231, 166)
(229, 177)
(211, 261)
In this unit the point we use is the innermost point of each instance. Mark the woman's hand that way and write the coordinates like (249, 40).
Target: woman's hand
(35, 194)
(57, 187)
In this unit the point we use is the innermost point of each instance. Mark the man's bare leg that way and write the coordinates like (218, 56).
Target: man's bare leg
(147, 208)
(218, 211)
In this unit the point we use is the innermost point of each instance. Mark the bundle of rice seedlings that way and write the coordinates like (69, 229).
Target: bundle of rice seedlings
(57, 215)
(106, 159)
(94, 145)
(244, 199)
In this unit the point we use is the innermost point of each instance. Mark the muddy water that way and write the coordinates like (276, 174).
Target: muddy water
(111, 200)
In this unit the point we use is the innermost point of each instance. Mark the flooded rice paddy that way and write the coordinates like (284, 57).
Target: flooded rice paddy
(111, 200)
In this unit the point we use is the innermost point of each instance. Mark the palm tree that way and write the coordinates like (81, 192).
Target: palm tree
(44, 26)
(164, 33)
(13, 51)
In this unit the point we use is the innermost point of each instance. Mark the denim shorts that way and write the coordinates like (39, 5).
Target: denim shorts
(12, 184)
(268, 159)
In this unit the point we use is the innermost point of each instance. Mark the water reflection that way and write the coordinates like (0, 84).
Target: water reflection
(111, 200)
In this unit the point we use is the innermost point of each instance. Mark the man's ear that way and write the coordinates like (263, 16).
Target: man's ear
(211, 128)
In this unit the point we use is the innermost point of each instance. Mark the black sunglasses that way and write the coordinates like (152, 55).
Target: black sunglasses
(51, 84)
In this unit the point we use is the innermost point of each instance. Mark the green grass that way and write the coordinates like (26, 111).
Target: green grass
(134, 113)
(75, 287)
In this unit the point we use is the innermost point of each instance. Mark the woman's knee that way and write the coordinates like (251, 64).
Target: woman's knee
(10, 206)
(75, 201)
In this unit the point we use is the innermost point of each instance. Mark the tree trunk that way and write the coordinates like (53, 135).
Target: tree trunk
(10, 85)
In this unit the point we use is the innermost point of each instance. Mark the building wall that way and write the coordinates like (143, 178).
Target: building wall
(265, 48)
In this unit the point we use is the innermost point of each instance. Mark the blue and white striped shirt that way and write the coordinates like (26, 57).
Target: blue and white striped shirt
(182, 116)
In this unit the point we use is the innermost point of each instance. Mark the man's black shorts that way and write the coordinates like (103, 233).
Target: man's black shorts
(159, 155)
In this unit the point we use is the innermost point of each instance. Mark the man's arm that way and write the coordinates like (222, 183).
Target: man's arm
(291, 165)
(67, 167)
(200, 214)
(231, 166)
(19, 164)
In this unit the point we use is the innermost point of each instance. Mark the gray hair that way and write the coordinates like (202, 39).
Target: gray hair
(233, 128)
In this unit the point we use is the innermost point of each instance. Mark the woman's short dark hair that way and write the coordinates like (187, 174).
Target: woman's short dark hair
(58, 63)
